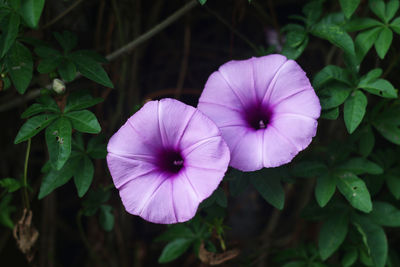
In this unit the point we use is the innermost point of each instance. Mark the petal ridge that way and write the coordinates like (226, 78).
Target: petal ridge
(271, 85)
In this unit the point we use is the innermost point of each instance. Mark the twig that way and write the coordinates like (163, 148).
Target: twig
(69, 9)
(25, 182)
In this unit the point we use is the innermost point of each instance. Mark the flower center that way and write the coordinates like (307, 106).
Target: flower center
(170, 161)
(258, 117)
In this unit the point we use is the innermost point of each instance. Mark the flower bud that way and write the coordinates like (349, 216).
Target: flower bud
(58, 86)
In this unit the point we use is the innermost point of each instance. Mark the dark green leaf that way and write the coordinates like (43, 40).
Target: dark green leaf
(221, 198)
(379, 87)
(313, 11)
(67, 70)
(58, 139)
(325, 188)
(364, 42)
(20, 66)
(391, 8)
(292, 52)
(84, 121)
(174, 232)
(330, 73)
(10, 184)
(393, 182)
(350, 257)
(295, 264)
(174, 249)
(93, 201)
(238, 182)
(31, 10)
(395, 25)
(385, 214)
(92, 54)
(371, 76)
(33, 126)
(349, 6)
(37, 108)
(354, 110)
(387, 124)
(358, 24)
(49, 64)
(81, 99)
(360, 166)
(57, 178)
(44, 51)
(67, 40)
(83, 178)
(333, 95)
(9, 34)
(330, 114)
(383, 42)
(268, 184)
(332, 235)
(378, 8)
(97, 147)
(106, 218)
(354, 190)
(366, 142)
(202, 2)
(306, 169)
(5, 211)
(91, 69)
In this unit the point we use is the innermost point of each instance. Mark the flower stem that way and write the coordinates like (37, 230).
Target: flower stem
(25, 181)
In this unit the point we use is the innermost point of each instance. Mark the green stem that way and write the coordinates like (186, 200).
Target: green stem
(25, 182)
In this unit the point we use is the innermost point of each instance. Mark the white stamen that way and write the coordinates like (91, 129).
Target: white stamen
(261, 124)
(178, 162)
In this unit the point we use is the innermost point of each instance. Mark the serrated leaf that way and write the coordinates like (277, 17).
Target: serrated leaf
(31, 11)
(333, 95)
(84, 177)
(81, 99)
(383, 42)
(67, 70)
(330, 73)
(354, 190)
(385, 214)
(268, 184)
(354, 110)
(84, 121)
(174, 249)
(20, 66)
(364, 41)
(330, 114)
(332, 234)
(325, 188)
(91, 69)
(33, 126)
(360, 166)
(106, 218)
(9, 34)
(58, 139)
(10, 184)
(349, 6)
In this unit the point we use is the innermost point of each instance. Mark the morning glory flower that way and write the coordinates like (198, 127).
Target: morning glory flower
(266, 110)
(165, 160)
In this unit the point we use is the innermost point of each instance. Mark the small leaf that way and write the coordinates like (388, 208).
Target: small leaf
(58, 139)
(380, 87)
(364, 42)
(330, 114)
(81, 99)
(106, 218)
(360, 166)
(333, 95)
(20, 66)
(366, 142)
(385, 214)
(354, 110)
(349, 6)
(67, 70)
(37, 108)
(308, 169)
(383, 42)
(10, 184)
(391, 8)
(33, 126)
(31, 11)
(67, 40)
(84, 177)
(330, 73)
(97, 148)
(174, 249)
(393, 183)
(395, 25)
(350, 257)
(354, 190)
(332, 235)
(325, 188)
(5, 210)
(268, 184)
(378, 8)
(9, 34)
(84, 121)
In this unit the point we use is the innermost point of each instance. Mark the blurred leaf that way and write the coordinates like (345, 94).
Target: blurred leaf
(313, 11)
(67, 40)
(308, 169)
(92, 54)
(395, 25)
(106, 218)
(349, 6)
(238, 182)
(391, 8)
(175, 231)
(81, 99)
(332, 234)
(383, 42)
(354, 110)
(91, 69)
(330, 114)
(295, 264)
(97, 147)
(358, 24)
(67, 70)
(44, 51)
(268, 184)
(371, 76)
(58, 140)
(366, 142)
(378, 8)
(385, 214)
(354, 190)
(33, 126)
(221, 198)
(49, 64)
(393, 183)
(20, 66)
(5, 210)
(293, 52)
(84, 177)
(350, 257)
(202, 2)
(10, 184)
(84, 121)
(174, 249)
(330, 73)
(379, 87)
(360, 166)
(325, 188)
(387, 124)
(30, 11)
(93, 201)
(9, 34)
(364, 42)
(333, 95)
(37, 108)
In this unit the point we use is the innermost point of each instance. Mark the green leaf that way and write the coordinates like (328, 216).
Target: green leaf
(383, 42)
(84, 121)
(387, 124)
(91, 69)
(330, 114)
(10, 184)
(330, 73)
(358, 24)
(58, 139)
(49, 64)
(354, 110)
(30, 11)
(37, 108)
(67, 70)
(93, 200)
(9, 34)
(5, 210)
(91, 54)
(366, 142)
(81, 99)
(294, 52)
(268, 184)
(333, 95)
(174, 249)
(325, 188)
(306, 169)
(349, 6)
(332, 234)
(350, 257)
(371, 76)
(375, 238)
(378, 8)
(395, 25)
(393, 183)
(97, 148)
(364, 42)
(84, 177)
(174, 232)
(67, 40)
(57, 178)
(354, 190)
(202, 2)
(385, 214)
(33, 126)
(221, 198)
(313, 11)
(380, 87)
(44, 51)
(360, 166)
(391, 8)
(20, 66)
(106, 217)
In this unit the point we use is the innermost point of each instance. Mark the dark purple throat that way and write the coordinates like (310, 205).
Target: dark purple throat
(258, 117)
(170, 161)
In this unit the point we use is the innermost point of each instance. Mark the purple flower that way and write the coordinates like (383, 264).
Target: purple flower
(266, 110)
(165, 160)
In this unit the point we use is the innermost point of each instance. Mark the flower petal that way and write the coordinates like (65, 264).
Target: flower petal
(185, 198)
(306, 99)
(204, 180)
(222, 115)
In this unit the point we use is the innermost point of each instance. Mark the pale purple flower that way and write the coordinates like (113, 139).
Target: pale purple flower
(266, 110)
(165, 160)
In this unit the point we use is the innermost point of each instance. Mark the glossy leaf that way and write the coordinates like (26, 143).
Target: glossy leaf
(81, 99)
(84, 121)
(9, 34)
(174, 249)
(383, 42)
(31, 11)
(360, 166)
(33, 126)
(20, 65)
(84, 177)
(354, 110)
(380, 87)
(37, 108)
(325, 188)
(58, 139)
(349, 6)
